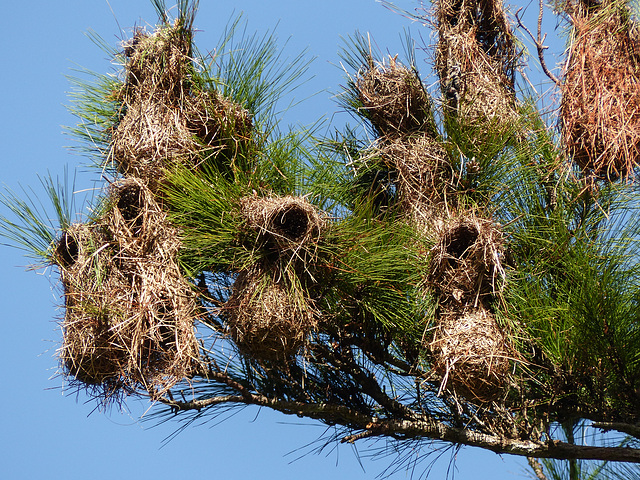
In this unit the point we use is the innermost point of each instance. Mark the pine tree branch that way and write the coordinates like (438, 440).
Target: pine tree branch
(535, 465)
(332, 414)
(428, 428)
(419, 427)
(369, 384)
(633, 430)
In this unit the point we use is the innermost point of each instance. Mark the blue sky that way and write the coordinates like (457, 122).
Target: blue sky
(48, 432)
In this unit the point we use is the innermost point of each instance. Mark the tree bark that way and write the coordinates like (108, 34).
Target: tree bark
(418, 427)
(537, 468)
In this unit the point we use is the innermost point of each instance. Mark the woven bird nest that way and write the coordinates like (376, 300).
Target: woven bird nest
(164, 121)
(423, 175)
(475, 60)
(395, 99)
(287, 225)
(470, 353)
(267, 320)
(600, 109)
(467, 262)
(129, 312)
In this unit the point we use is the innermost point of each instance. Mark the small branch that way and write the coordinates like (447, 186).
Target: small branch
(633, 430)
(332, 414)
(369, 384)
(198, 405)
(539, 43)
(535, 465)
(357, 436)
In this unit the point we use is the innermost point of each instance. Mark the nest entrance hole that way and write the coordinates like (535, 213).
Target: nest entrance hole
(283, 224)
(292, 222)
(460, 240)
(130, 205)
(68, 250)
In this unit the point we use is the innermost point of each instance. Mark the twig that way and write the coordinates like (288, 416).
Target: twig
(535, 465)
(539, 43)
(357, 436)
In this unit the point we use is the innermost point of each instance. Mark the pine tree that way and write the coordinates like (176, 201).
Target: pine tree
(459, 270)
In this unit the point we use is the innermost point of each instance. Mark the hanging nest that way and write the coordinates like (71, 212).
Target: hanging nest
(423, 175)
(289, 226)
(164, 121)
(268, 320)
(467, 262)
(600, 111)
(129, 312)
(475, 60)
(471, 355)
(395, 99)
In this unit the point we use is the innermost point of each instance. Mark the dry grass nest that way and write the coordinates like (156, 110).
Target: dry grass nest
(288, 225)
(422, 171)
(470, 353)
(600, 109)
(164, 121)
(475, 60)
(467, 263)
(395, 99)
(129, 312)
(268, 320)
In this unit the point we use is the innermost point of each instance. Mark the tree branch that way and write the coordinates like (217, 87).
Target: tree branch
(535, 465)
(539, 43)
(500, 444)
(369, 384)
(420, 428)
(633, 430)
(332, 414)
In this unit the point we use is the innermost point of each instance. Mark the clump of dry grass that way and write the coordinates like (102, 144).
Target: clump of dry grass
(475, 60)
(395, 99)
(129, 313)
(164, 120)
(471, 354)
(287, 225)
(268, 320)
(467, 275)
(467, 261)
(400, 109)
(423, 173)
(600, 109)
(269, 314)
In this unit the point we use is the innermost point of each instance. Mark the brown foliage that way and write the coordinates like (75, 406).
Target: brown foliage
(600, 109)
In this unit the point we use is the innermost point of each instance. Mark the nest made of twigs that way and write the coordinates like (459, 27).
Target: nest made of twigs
(467, 262)
(395, 99)
(600, 111)
(286, 225)
(129, 312)
(164, 120)
(268, 320)
(475, 60)
(471, 355)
